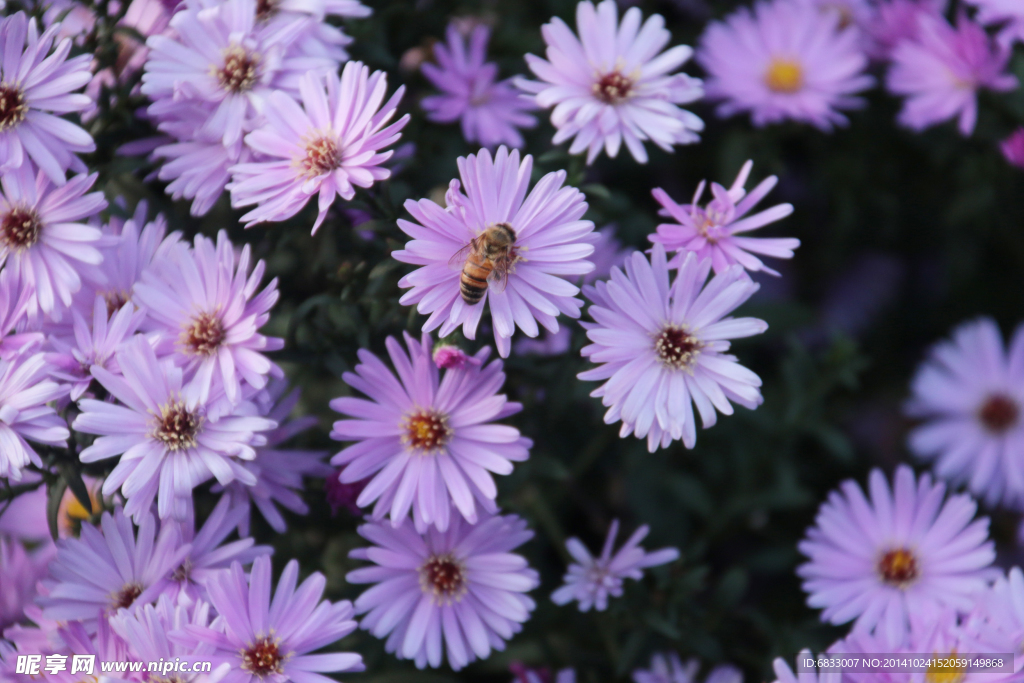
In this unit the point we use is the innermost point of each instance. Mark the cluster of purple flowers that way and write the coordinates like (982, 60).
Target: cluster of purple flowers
(150, 347)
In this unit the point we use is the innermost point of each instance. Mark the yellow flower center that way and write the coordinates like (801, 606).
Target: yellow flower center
(784, 76)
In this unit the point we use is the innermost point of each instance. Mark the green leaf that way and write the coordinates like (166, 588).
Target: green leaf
(54, 493)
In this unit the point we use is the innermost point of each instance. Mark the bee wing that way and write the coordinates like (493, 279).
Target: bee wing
(502, 267)
(457, 261)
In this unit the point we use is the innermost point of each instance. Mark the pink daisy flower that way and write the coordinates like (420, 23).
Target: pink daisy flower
(169, 439)
(613, 83)
(460, 592)
(661, 345)
(110, 568)
(329, 145)
(426, 440)
(41, 237)
(592, 580)
(969, 396)
(36, 89)
(1007, 14)
(941, 71)
(715, 231)
(549, 245)
(25, 391)
(782, 62)
(268, 640)
(220, 57)
(1013, 148)
(205, 304)
(490, 111)
(907, 551)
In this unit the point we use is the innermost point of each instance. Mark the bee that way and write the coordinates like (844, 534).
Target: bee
(489, 255)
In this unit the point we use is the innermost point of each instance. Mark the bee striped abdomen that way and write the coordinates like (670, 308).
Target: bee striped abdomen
(473, 283)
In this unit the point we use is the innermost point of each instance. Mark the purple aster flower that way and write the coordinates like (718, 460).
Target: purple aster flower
(969, 394)
(169, 439)
(25, 391)
(591, 580)
(666, 667)
(204, 302)
(209, 554)
(41, 237)
(461, 590)
(906, 551)
(327, 146)
(1000, 614)
(783, 62)
(490, 111)
(783, 674)
(279, 473)
(35, 90)
(895, 21)
(1013, 148)
(549, 244)
(145, 633)
(223, 59)
(613, 83)
(428, 441)
(110, 568)
(92, 344)
(941, 71)
(715, 231)
(662, 345)
(941, 633)
(525, 674)
(269, 641)
(1008, 14)
(19, 572)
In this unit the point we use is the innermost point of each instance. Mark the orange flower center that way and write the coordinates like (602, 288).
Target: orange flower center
(898, 568)
(426, 431)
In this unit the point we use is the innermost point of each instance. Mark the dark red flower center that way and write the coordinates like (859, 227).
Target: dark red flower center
(115, 298)
(322, 156)
(126, 596)
(898, 567)
(677, 347)
(613, 88)
(239, 71)
(444, 577)
(265, 9)
(20, 228)
(426, 430)
(263, 657)
(998, 413)
(177, 426)
(204, 335)
(12, 106)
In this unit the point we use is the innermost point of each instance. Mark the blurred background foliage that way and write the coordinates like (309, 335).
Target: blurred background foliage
(903, 236)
